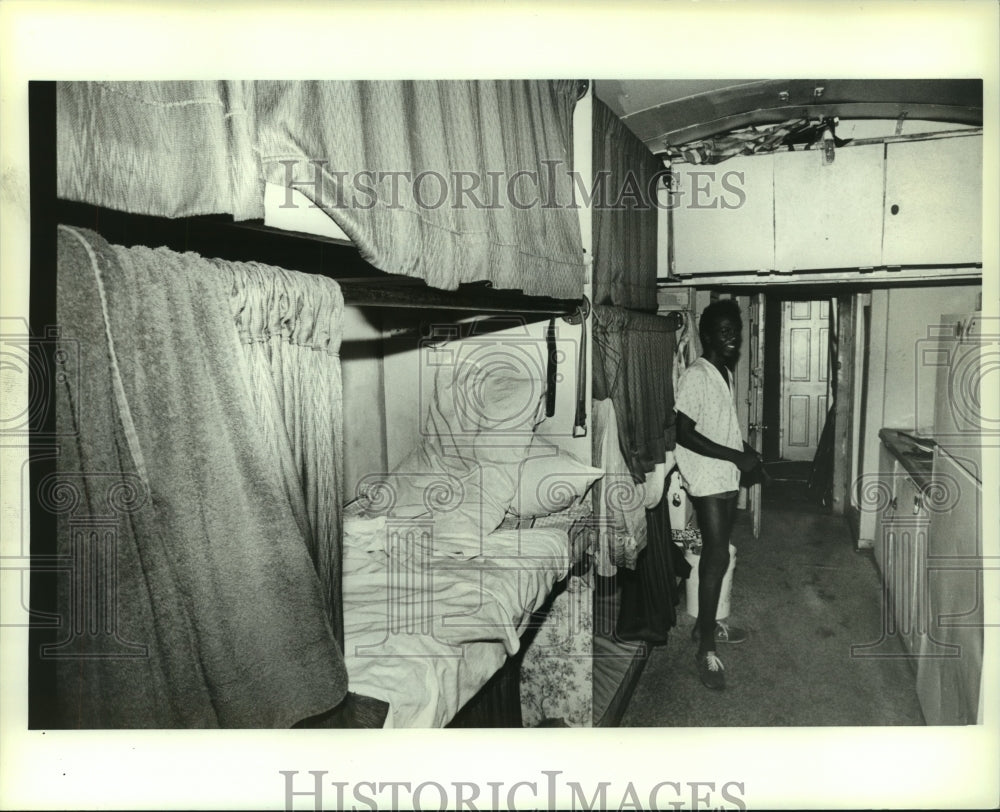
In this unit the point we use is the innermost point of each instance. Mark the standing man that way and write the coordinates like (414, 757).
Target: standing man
(711, 455)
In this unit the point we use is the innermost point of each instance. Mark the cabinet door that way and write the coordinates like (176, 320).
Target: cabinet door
(723, 216)
(933, 202)
(885, 509)
(908, 527)
(828, 215)
(948, 681)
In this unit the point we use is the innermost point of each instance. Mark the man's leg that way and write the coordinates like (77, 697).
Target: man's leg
(715, 520)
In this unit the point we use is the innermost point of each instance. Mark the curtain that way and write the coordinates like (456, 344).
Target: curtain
(633, 358)
(649, 594)
(190, 595)
(625, 215)
(169, 149)
(290, 325)
(450, 181)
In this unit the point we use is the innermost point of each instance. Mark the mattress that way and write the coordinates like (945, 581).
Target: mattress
(423, 632)
(290, 210)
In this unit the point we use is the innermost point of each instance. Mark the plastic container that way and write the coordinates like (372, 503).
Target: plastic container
(692, 585)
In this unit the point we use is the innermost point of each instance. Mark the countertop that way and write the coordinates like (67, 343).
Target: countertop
(916, 456)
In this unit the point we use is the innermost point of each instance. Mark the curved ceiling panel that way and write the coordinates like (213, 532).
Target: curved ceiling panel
(673, 112)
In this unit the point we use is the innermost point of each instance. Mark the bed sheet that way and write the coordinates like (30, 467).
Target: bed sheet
(423, 632)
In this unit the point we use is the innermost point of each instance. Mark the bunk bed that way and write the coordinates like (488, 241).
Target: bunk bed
(399, 591)
(112, 200)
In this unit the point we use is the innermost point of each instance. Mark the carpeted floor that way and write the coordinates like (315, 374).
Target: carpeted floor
(806, 597)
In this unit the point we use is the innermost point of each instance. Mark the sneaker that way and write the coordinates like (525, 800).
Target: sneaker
(711, 670)
(724, 633)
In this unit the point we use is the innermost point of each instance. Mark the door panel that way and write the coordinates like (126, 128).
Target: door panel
(798, 353)
(805, 393)
(824, 357)
(798, 420)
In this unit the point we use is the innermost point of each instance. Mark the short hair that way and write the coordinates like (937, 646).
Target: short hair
(715, 312)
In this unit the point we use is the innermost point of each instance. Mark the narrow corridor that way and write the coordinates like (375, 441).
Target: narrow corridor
(816, 655)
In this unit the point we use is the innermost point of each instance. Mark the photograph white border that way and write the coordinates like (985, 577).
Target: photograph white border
(778, 768)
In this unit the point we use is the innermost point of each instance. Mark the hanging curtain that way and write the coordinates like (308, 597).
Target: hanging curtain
(649, 593)
(429, 140)
(633, 357)
(190, 595)
(169, 149)
(290, 325)
(449, 181)
(625, 215)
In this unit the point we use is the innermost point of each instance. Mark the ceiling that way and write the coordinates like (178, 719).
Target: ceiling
(670, 113)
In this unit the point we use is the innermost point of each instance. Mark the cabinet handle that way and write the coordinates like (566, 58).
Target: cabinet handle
(894, 209)
(918, 503)
(894, 503)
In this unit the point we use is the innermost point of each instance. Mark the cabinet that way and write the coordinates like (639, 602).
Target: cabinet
(933, 202)
(949, 670)
(902, 203)
(828, 215)
(723, 216)
(905, 531)
(929, 548)
(901, 532)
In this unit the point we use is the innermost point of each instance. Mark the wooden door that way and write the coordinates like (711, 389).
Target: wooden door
(755, 399)
(805, 376)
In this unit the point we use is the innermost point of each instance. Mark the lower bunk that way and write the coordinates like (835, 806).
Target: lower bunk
(439, 639)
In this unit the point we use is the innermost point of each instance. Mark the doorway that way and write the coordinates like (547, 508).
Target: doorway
(799, 342)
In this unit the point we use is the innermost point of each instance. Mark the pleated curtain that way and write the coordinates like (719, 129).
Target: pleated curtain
(624, 215)
(447, 181)
(197, 498)
(633, 358)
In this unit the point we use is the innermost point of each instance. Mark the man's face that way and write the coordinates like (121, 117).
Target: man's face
(725, 337)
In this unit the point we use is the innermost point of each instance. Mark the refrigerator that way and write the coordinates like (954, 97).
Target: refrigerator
(965, 358)
(949, 670)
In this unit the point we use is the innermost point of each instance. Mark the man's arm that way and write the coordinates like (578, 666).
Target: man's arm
(693, 440)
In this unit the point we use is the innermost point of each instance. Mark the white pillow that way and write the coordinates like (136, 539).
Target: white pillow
(550, 480)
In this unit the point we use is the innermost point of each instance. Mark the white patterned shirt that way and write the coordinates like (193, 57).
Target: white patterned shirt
(707, 398)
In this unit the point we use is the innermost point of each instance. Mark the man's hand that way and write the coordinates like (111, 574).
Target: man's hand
(748, 460)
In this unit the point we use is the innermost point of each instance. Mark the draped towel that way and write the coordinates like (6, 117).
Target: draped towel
(201, 558)
(633, 357)
(625, 214)
(447, 181)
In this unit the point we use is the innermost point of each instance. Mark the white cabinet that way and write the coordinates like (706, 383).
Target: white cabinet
(828, 215)
(933, 202)
(723, 216)
(949, 669)
(902, 203)
(905, 531)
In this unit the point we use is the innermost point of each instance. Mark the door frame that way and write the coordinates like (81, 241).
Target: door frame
(844, 377)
